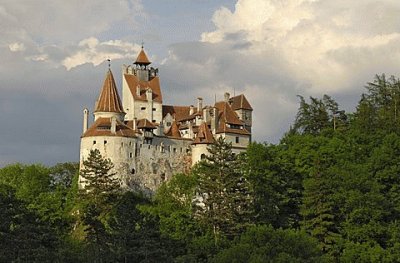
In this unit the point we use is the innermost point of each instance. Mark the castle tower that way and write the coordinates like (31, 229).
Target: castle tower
(199, 146)
(141, 92)
(109, 134)
(109, 104)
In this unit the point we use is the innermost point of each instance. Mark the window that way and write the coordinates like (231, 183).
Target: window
(143, 108)
(133, 171)
(163, 177)
(202, 156)
(174, 150)
(168, 123)
(130, 155)
(153, 120)
(154, 109)
(105, 142)
(94, 142)
(237, 139)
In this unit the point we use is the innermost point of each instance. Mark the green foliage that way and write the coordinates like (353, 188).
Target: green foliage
(275, 183)
(329, 191)
(23, 236)
(99, 194)
(224, 203)
(266, 244)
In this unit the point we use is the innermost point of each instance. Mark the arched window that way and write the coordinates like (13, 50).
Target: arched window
(202, 156)
(133, 171)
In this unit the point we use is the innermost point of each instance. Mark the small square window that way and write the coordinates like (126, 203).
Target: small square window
(105, 142)
(94, 142)
(154, 109)
(237, 139)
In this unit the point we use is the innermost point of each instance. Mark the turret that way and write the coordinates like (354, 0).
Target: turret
(109, 104)
(85, 119)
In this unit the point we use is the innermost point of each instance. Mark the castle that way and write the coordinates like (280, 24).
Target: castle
(148, 141)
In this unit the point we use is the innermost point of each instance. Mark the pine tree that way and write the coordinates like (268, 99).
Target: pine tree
(224, 201)
(98, 195)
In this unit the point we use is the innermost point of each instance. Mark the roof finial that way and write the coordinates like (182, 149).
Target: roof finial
(142, 44)
(109, 63)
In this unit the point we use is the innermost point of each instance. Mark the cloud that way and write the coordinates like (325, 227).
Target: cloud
(15, 47)
(90, 50)
(273, 50)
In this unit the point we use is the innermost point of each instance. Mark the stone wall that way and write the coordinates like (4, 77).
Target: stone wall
(139, 165)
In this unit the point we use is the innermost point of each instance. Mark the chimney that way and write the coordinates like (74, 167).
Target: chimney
(134, 124)
(214, 120)
(138, 90)
(191, 134)
(149, 94)
(113, 125)
(191, 110)
(206, 115)
(85, 119)
(199, 104)
(226, 96)
(161, 129)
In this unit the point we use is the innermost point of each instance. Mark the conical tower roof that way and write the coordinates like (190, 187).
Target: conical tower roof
(142, 58)
(109, 100)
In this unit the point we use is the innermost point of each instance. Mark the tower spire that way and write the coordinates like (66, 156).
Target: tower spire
(142, 58)
(109, 100)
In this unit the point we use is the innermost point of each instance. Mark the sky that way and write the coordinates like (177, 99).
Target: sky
(53, 59)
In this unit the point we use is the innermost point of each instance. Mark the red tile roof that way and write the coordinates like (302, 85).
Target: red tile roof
(222, 128)
(142, 58)
(154, 84)
(145, 123)
(226, 113)
(109, 100)
(204, 136)
(180, 113)
(102, 127)
(240, 102)
(174, 131)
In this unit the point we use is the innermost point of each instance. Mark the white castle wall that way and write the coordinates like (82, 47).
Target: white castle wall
(197, 151)
(140, 165)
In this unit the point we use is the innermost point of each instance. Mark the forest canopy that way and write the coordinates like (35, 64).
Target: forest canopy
(329, 191)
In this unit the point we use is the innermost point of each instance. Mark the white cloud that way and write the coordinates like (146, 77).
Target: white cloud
(91, 50)
(307, 33)
(273, 50)
(15, 47)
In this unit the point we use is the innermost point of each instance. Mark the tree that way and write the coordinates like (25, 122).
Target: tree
(224, 199)
(23, 235)
(277, 186)
(266, 244)
(99, 193)
(318, 115)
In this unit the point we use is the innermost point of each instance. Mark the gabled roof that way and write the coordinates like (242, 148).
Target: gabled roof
(226, 113)
(142, 58)
(145, 124)
(102, 127)
(204, 135)
(222, 128)
(180, 113)
(174, 131)
(240, 102)
(154, 84)
(109, 100)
